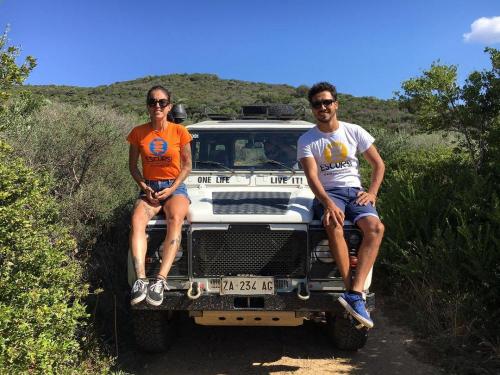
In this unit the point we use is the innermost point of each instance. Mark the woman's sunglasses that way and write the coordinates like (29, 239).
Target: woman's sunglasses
(327, 103)
(162, 102)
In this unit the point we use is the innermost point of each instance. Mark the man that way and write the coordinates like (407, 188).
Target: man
(327, 153)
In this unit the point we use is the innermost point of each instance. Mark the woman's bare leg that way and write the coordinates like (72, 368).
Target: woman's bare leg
(176, 209)
(142, 213)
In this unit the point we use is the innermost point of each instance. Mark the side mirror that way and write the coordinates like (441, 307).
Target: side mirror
(177, 114)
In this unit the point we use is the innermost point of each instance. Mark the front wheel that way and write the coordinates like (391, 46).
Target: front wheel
(154, 330)
(344, 332)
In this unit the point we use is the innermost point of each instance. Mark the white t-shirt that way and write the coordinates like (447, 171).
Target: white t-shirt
(335, 153)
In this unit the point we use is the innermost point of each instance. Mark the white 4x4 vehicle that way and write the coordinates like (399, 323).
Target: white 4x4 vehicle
(252, 252)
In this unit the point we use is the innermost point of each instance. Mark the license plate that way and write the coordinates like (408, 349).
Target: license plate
(247, 285)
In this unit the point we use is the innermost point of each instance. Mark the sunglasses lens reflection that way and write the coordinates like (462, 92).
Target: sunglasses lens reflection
(319, 103)
(162, 102)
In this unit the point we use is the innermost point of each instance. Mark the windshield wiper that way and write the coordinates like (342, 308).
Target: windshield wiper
(211, 162)
(270, 161)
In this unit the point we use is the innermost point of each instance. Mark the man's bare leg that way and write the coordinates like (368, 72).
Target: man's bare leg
(338, 248)
(373, 231)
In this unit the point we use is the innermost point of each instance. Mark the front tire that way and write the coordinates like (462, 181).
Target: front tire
(154, 330)
(344, 333)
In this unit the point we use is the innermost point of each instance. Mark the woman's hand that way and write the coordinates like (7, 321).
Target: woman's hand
(150, 196)
(164, 194)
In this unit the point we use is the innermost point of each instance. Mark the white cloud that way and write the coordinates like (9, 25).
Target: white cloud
(484, 30)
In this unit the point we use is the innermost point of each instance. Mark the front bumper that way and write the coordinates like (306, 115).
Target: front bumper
(318, 302)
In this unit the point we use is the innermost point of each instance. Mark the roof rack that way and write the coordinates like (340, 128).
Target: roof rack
(257, 112)
(219, 116)
(267, 112)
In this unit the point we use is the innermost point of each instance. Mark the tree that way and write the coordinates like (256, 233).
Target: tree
(12, 74)
(472, 110)
(43, 317)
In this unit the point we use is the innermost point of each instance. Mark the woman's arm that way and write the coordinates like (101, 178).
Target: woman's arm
(133, 158)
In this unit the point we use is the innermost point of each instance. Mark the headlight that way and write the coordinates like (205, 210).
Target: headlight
(354, 239)
(321, 252)
(178, 255)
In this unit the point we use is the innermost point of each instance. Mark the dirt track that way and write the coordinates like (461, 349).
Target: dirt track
(276, 350)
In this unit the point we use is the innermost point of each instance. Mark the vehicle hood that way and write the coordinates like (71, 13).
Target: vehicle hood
(267, 198)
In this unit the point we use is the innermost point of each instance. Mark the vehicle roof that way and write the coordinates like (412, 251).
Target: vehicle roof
(251, 124)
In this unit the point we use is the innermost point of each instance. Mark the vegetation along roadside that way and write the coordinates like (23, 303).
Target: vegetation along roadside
(66, 197)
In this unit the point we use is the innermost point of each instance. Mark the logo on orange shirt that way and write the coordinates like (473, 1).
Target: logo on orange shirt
(158, 146)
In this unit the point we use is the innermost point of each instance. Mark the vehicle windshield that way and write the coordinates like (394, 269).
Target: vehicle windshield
(252, 149)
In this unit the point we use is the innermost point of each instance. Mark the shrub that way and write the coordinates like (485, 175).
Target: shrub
(84, 149)
(41, 310)
(441, 252)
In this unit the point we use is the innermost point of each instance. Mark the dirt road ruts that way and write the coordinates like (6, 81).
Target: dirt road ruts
(277, 350)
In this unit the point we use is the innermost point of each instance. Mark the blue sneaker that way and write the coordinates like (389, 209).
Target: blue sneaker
(355, 305)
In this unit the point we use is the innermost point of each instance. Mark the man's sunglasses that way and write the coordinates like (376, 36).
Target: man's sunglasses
(327, 103)
(162, 102)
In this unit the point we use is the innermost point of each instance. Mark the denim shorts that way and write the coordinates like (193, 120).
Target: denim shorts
(158, 185)
(345, 199)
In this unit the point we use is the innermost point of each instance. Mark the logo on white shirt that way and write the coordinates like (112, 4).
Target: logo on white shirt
(335, 152)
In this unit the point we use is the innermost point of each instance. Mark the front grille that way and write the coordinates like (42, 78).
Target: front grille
(249, 250)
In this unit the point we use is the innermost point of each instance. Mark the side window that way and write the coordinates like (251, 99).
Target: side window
(217, 152)
(196, 151)
(211, 147)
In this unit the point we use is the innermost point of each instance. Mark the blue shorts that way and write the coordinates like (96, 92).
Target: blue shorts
(345, 199)
(158, 185)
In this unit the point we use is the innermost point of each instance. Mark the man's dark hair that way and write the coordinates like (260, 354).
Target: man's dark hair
(320, 87)
(158, 88)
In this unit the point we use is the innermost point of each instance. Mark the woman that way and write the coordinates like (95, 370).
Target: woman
(165, 153)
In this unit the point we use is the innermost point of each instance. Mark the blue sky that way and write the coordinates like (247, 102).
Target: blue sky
(367, 48)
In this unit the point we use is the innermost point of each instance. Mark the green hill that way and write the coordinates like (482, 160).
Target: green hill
(205, 93)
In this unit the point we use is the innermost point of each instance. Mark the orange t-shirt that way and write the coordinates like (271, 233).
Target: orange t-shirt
(160, 149)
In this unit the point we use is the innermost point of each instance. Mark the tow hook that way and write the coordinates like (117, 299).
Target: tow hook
(194, 291)
(303, 292)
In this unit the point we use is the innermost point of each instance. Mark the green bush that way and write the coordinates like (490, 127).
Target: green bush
(41, 310)
(441, 252)
(84, 149)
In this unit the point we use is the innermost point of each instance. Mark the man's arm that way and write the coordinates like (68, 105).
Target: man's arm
(378, 168)
(332, 212)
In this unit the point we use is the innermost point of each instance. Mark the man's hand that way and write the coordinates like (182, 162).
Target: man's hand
(333, 216)
(164, 194)
(365, 197)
